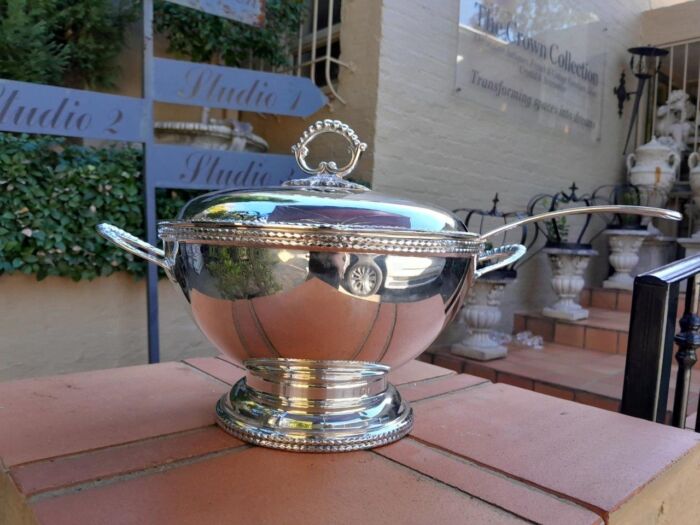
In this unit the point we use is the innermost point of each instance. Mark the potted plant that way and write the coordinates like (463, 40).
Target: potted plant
(626, 234)
(568, 259)
(201, 37)
(481, 314)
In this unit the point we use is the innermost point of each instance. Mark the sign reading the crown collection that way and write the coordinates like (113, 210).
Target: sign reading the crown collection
(232, 88)
(50, 110)
(247, 11)
(209, 169)
(537, 62)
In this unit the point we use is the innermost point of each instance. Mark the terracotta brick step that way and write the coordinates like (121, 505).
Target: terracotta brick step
(586, 376)
(620, 300)
(604, 331)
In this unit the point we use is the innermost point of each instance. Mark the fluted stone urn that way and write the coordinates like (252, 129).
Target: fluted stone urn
(568, 266)
(624, 256)
(226, 135)
(480, 315)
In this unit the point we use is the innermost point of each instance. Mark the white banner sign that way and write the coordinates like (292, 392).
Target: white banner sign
(247, 11)
(537, 61)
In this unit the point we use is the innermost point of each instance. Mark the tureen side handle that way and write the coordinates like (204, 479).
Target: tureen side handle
(508, 254)
(134, 245)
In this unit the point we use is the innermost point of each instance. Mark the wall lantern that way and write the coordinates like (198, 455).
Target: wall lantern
(645, 63)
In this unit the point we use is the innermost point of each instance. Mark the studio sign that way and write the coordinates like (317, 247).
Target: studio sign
(193, 168)
(490, 20)
(35, 108)
(232, 88)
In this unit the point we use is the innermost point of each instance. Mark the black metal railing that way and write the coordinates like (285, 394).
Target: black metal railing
(651, 338)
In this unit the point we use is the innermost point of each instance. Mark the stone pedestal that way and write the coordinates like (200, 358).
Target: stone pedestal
(624, 256)
(691, 245)
(568, 266)
(657, 250)
(481, 314)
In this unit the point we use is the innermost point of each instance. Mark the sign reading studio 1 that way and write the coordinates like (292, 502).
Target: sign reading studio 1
(538, 64)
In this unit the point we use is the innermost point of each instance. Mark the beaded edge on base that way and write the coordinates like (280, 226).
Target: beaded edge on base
(316, 445)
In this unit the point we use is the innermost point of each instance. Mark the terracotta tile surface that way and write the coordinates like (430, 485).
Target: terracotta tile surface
(601, 298)
(598, 318)
(584, 298)
(608, 319)
(436, 387)
(449, 361)
(519, 323)
(220, 369)
(476, 369)
(53, 416)
(514, 380)
(598, 401)
(624, 301)
(271, 487)
(541, 326)
(112, 461)
(568, 334)
(520, 498)
(622, 341)
(542, 440)
(556, 391)
(601, 340)
(416, 371)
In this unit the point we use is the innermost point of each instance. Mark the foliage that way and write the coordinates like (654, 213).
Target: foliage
(207, 38)
(53, 194)
(557, 230)
(242, 272)
(63, 42)
(28, 51)
(92, 33)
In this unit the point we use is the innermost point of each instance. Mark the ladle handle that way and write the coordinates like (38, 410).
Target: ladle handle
(134, 245)
(508, 254)
(646, 211)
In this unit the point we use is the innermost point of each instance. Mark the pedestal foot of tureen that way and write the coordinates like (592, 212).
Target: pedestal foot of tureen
(314, 406)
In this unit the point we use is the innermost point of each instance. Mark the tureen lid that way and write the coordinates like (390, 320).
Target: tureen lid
(323, 212)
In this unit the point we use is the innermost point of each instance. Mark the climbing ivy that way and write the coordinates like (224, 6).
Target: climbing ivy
(53, 194)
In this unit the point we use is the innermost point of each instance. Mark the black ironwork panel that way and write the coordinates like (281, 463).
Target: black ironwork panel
(651, 339)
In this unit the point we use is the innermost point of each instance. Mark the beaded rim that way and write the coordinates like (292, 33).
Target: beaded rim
(314, 444)
(322, 237)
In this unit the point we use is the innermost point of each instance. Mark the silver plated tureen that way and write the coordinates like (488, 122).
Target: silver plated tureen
(319, 287)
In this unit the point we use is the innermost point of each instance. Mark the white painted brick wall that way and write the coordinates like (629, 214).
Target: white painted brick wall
(431, 145)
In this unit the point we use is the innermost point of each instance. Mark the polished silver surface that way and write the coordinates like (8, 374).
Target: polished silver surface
(319, 288)
(301, 149)
(315, 406)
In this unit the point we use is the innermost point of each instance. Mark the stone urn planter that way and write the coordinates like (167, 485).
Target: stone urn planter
(568, 263)
(480, 315)
(653, 168)
(694, 179)
(624, 256)
(215, 134)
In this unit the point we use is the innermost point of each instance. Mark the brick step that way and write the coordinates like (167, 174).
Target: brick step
(606, 298)
(586, 376)
(604, 330)
(619, 300)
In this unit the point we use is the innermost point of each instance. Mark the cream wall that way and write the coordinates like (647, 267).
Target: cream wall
(674, 23)
(56, 325)
(432, 146)
(360, 39)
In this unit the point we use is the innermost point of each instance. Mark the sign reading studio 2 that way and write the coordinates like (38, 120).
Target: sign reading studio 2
(535, 60)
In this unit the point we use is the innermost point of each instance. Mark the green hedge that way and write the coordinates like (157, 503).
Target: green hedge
(53, 194)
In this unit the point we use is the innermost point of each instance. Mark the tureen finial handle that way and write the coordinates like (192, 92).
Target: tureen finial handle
(301, 150)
